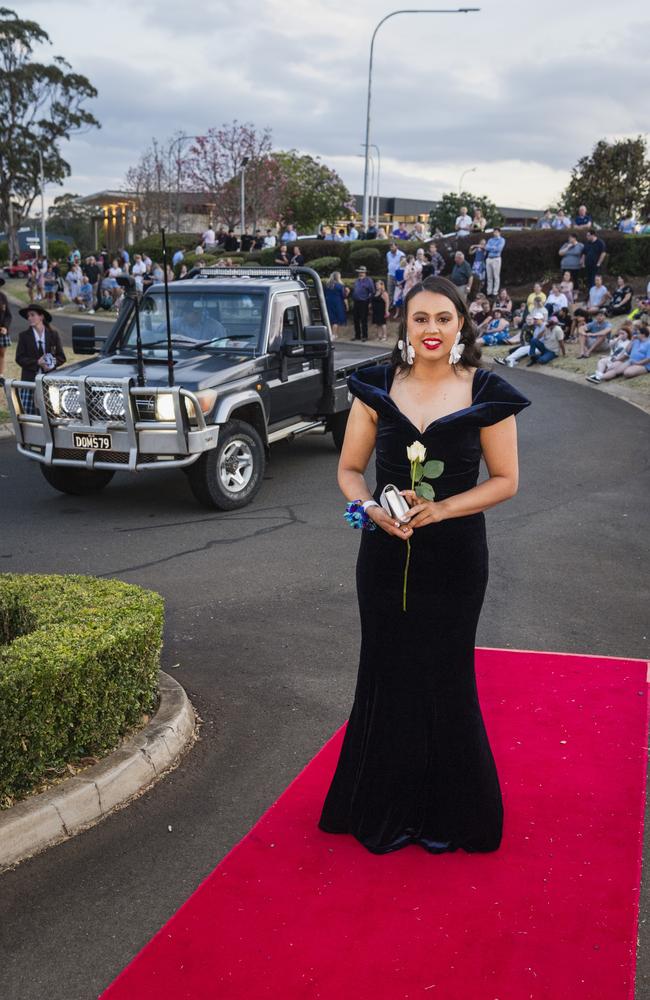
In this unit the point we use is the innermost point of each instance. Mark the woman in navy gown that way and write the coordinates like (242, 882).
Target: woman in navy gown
(416, 765)
(335, 302)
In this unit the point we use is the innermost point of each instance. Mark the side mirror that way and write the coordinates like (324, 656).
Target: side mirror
(317, 341)
(84, 340)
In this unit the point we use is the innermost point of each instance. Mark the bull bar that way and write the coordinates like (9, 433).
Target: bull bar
(139, 440)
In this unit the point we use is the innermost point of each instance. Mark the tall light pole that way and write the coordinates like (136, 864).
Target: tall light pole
(242, 195)
(43, 229)
(376, 213)
(458, 10)
(470, 170)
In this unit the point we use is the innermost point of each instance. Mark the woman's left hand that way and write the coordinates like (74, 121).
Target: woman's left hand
(422, 511)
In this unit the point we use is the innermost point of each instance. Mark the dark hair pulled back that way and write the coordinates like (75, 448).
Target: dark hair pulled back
(471, 356)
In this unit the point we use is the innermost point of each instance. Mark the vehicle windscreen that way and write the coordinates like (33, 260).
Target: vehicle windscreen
(216, 320)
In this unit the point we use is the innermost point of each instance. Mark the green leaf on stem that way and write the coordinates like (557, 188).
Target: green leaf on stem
(418, 472)
(433, 469)
(425, 491)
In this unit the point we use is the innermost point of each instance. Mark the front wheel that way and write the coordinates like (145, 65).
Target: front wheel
(229, 476)
(77, 482)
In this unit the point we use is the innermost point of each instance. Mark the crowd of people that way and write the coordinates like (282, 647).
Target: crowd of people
(573, 309)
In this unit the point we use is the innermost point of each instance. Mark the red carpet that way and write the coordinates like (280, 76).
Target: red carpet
(293, 913)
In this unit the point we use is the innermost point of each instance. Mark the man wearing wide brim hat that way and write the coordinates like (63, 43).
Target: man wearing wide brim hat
(5, 339)
(39, 349)
(362, 293)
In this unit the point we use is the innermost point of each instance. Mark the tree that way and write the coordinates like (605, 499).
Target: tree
(70, 218)
(444, 213)
(312, 192)
(612, 181)
(39, 106)
(215, 163)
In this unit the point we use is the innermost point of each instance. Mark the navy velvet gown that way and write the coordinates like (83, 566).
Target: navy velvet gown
(416, 765)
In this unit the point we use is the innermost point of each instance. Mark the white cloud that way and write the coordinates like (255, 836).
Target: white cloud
(518, 90)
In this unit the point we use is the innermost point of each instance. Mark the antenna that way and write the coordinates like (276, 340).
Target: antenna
(170, 353)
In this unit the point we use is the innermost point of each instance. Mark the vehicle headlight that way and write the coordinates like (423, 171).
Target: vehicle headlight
(165, 406)
(206, 398)
(55, 399)
(113, 403)
(70, 400)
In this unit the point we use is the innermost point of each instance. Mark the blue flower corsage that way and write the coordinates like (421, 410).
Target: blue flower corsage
(357, 516)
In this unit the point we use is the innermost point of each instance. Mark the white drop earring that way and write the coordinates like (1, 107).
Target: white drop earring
(407, 350)
(456, 350)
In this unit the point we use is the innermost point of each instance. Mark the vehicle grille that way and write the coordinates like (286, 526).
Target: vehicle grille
(76, 455)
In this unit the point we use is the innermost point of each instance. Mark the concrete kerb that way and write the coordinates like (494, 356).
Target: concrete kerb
(46, 819)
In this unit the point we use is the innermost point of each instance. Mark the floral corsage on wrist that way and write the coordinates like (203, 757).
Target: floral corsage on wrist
(356, 515)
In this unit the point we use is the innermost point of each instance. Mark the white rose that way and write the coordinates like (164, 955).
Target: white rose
(416, 452)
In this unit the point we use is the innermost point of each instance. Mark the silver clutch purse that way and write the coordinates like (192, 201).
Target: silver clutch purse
(394, 503)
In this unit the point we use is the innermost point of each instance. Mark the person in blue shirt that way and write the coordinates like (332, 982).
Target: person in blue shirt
(560, 220)
(636, 360)
(400, 233)
(494, 250)
(628, 224)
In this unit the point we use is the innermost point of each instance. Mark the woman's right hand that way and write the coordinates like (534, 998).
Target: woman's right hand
(389, 524)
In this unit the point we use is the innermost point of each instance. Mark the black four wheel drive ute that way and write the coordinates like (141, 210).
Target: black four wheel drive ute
(204, 380)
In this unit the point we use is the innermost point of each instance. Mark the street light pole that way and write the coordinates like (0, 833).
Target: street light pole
(376, 212)
(242, 212)
(458, 10)
(470, 170)
(43, 228)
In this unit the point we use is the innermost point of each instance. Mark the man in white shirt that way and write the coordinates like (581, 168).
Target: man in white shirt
(394, 257)
(353, 233)
(269, 239)
(209, 238)
(463, 225)
(138, 271)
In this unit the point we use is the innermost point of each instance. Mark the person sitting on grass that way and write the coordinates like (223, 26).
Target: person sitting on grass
(504, 303)
(592, 336)
(618, 352)
(479, 309)
(548, 345)
(621, 301)
(566, 286)
(556, 300)
(596, 302)
(493, 330)
(532, 329)
(635, 359)
(536, 294)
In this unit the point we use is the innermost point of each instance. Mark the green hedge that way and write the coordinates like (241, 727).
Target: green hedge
(325, 265)
(79, 663)
(368, 257)
(152, 245)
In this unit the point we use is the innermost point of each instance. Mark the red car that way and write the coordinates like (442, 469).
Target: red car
(20, 270)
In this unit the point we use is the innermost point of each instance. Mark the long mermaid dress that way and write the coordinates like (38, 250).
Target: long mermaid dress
(416, 765)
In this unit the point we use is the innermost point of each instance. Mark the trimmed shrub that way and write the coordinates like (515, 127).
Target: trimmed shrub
(369, 257)
(192, 259)
(79, 663)
(325, 265)
(152, 245)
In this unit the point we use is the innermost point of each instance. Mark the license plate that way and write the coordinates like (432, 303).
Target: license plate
(92, 442)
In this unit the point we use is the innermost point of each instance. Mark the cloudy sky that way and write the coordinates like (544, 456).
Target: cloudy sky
(519, 90)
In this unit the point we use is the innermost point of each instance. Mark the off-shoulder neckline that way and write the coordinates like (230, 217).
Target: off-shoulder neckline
(390, 376)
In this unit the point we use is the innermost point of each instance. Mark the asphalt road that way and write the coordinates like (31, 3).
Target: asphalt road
(262, 631)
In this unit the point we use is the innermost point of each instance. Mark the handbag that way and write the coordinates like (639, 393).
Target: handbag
(394, 503)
